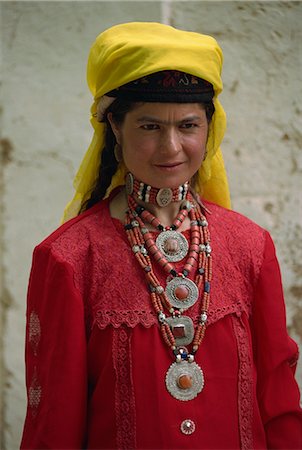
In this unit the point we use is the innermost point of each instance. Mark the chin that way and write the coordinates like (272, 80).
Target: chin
(165, 181)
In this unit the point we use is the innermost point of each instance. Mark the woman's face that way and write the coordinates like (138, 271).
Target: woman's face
(163, 144)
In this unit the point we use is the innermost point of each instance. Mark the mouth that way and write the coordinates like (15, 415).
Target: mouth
(169, 165)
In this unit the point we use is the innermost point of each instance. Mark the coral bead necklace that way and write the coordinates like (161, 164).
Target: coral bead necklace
(184, 378)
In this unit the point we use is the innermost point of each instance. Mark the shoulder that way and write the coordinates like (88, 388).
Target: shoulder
(230, 222)
(217, 214)
(237, 237)
(76, 236)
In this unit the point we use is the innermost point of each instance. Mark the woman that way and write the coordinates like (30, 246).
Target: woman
(156, 316)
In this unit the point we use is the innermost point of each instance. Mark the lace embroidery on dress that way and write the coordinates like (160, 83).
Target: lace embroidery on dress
(34, 393)
(34, 332)
(218, 313)
(148, 318)
(124, 391)
(129, 318)
(115, 290)
(245, 385)
(35, 389)
(114, 282)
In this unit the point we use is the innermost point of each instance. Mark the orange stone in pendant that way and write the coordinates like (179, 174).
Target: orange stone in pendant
(179, 331)
(181, 292)
(184, 381)
(171, 245)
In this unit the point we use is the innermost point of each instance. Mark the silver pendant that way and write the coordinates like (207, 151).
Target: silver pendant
(182, 292)
(184, 380)
(182, 329)
(164, 197)
(129, 183)
(173, 245)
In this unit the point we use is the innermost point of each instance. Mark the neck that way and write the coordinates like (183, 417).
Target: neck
(166, 214)
(163, 203)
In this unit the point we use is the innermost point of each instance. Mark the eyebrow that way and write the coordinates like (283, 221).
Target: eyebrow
(165, 122)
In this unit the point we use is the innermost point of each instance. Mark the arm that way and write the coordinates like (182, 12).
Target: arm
(276, 356)
(56, 377)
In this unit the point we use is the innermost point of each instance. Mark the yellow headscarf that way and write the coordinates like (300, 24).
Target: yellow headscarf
(130, 51)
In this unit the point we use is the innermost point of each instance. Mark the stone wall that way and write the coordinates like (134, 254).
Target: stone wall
(45, 131)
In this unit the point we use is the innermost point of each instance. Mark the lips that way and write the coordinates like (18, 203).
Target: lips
(168, 165)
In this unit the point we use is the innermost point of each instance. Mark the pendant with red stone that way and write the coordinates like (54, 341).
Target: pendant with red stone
(184, 380)
(182, 292)
(182, 329)
(173, 245)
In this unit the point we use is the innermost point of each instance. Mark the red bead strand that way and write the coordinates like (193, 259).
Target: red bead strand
(145, 250)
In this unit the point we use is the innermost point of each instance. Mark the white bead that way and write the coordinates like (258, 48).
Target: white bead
(161, 317)
(203, 317)
(159, 289)
(143, 250)
(208, 248)
(186, 204)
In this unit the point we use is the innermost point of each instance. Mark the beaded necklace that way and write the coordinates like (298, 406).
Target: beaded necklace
(149, 194)
(184, 378)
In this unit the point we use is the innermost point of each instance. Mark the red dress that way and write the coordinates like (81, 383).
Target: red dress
(96, 362)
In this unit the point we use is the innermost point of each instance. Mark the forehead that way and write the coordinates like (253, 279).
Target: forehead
(162, 110)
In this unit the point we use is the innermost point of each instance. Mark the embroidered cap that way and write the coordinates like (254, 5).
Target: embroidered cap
(171, 86)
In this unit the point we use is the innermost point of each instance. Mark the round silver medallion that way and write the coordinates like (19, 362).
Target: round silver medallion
(187, 426)
(182, 329)
(184, 380)
(173, 245)
(182, 292)
(129, 183)
(164, 197)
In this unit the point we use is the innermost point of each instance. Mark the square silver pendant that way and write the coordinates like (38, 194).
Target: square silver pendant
(182, 329)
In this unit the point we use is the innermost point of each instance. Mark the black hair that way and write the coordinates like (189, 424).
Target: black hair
(108, 164)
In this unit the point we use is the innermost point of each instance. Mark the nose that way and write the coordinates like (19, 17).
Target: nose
(170, 141)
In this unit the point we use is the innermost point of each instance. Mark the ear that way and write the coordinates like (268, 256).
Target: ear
(115, 128)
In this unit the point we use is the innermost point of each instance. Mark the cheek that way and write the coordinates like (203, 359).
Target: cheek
(196, 154)
(196, 145)
(138, 147)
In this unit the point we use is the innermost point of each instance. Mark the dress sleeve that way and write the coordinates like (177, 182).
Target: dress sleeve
(276, 356)
(56, 372)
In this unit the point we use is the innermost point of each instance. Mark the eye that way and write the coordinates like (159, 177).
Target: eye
(150, 126)
(189, 125)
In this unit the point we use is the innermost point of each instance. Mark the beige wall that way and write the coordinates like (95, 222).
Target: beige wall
(45, 131)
